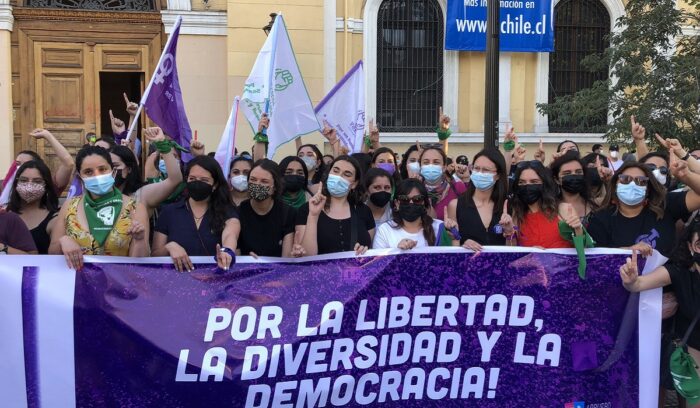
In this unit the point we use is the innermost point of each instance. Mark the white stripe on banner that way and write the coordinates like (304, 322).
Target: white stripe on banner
(649, 346)
(12, 384)
(56, 284)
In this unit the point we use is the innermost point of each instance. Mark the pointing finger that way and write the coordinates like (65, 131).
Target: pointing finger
(505, 207)
(634, 258)
(633, 121)
(541, 145)
(441, 111)
(661, 140)
(111, 115)
(126, 98)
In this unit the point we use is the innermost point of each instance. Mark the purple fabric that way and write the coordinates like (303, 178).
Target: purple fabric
(164, 103)
(133, 320)
(14, 232)
(456, 189)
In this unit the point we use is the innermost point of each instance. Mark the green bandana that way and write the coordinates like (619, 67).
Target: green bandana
(443, 134)
(581, 242)
(102, 213)
(508, 145)
(294, 202)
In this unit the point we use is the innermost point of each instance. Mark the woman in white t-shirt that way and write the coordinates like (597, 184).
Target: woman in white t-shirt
(411, 226)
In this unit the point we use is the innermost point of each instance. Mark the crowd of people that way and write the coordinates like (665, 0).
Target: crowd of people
(312, 203)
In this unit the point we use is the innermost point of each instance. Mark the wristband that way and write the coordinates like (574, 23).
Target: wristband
(509, 145)
(226, 250)
(686, 157)
(443, 134)
(455, 234)
(164, 146)
(260, 137)
(368, 142)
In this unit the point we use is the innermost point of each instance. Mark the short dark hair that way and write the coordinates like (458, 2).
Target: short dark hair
(274, 170)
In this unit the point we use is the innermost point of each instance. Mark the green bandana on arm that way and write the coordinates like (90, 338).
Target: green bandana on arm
(443, 134)
(102, 213)
(581, 242)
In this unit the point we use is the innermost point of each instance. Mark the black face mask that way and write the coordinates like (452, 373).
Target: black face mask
(119, 179)
(294, 183)
(199, 190)
(696, 257)
(530, 193)
(380, 199)
(593, 177)
(573, 183)
(411, 212)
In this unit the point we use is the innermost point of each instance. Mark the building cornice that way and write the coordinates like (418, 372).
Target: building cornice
(196, 22)
(6, 19)
(46, 14)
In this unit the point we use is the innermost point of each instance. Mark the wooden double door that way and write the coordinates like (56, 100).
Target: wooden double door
(70, 78)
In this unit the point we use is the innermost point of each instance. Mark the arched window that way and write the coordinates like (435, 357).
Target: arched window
(581, 28)
(410, 36)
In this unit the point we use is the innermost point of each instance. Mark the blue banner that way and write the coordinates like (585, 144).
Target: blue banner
(444, 328)
(526, 26)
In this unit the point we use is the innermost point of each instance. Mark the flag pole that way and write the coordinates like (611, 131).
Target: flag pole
(178, 21)
(273, 55)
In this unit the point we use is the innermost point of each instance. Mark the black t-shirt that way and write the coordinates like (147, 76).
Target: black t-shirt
(335, 235)
(609, 228)
(263, 234)
(686, 284)
(471, 226)
(176, 221)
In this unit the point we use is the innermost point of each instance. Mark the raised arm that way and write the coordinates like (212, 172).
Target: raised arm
(639, 134)
(332, 136)
(64, 173)
(310, 240)
(260, 148)
(139, 233)
(152, 195)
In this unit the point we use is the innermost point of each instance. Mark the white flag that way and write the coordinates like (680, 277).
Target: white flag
(227, 144)
(344, 108)
(275, 86)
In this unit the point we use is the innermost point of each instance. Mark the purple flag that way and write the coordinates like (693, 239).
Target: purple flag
(76, 187)
(163, 97)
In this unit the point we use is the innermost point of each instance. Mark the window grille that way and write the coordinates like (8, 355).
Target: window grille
(104, 5)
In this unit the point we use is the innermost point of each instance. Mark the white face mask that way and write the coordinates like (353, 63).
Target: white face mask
(661, 178)
(613, 154)
(413, 167)
(240, 182)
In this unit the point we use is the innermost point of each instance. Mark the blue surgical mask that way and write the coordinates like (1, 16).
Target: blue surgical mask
(310, 162)
(631, 194)
(162, 168)
(431, 172)
(99, 185)
(337, 186)
(482, 181)
(413, 167)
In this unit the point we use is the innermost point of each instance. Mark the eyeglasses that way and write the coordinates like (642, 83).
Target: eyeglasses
(404, 199)
(531, 164)
(480, 169)
(641, 181)
(663, 169)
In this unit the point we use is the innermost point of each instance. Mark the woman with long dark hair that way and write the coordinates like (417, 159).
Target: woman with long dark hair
(335, 219)
(295, 176)
(569, 174)
(33, 198)
(411, 225)
(410, 163)
(441, 188)
(535, 209)
(639, 214)
(205, 224)
(102, 221)
(481, 213)
(380, 189)
(267, 223)
(313, 158)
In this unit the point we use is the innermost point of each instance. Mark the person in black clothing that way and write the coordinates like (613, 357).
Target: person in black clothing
(335, 219)
(479, 212)
(267, 223)
(33, 197)
(682, 273)
(639, 214)
(205, 224)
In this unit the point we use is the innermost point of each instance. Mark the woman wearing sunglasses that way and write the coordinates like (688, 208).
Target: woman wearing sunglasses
(481, 213)
(535, 209)
(657, 162)
(411, 226)
(638, 213)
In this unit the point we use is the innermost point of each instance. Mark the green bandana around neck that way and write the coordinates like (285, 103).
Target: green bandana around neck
(295, 202)
(102, 213)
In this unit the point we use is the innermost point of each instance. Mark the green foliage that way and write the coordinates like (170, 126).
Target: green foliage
(655, 75)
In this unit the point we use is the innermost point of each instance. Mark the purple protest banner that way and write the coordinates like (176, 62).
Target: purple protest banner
(444, 328)
(163, 97)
